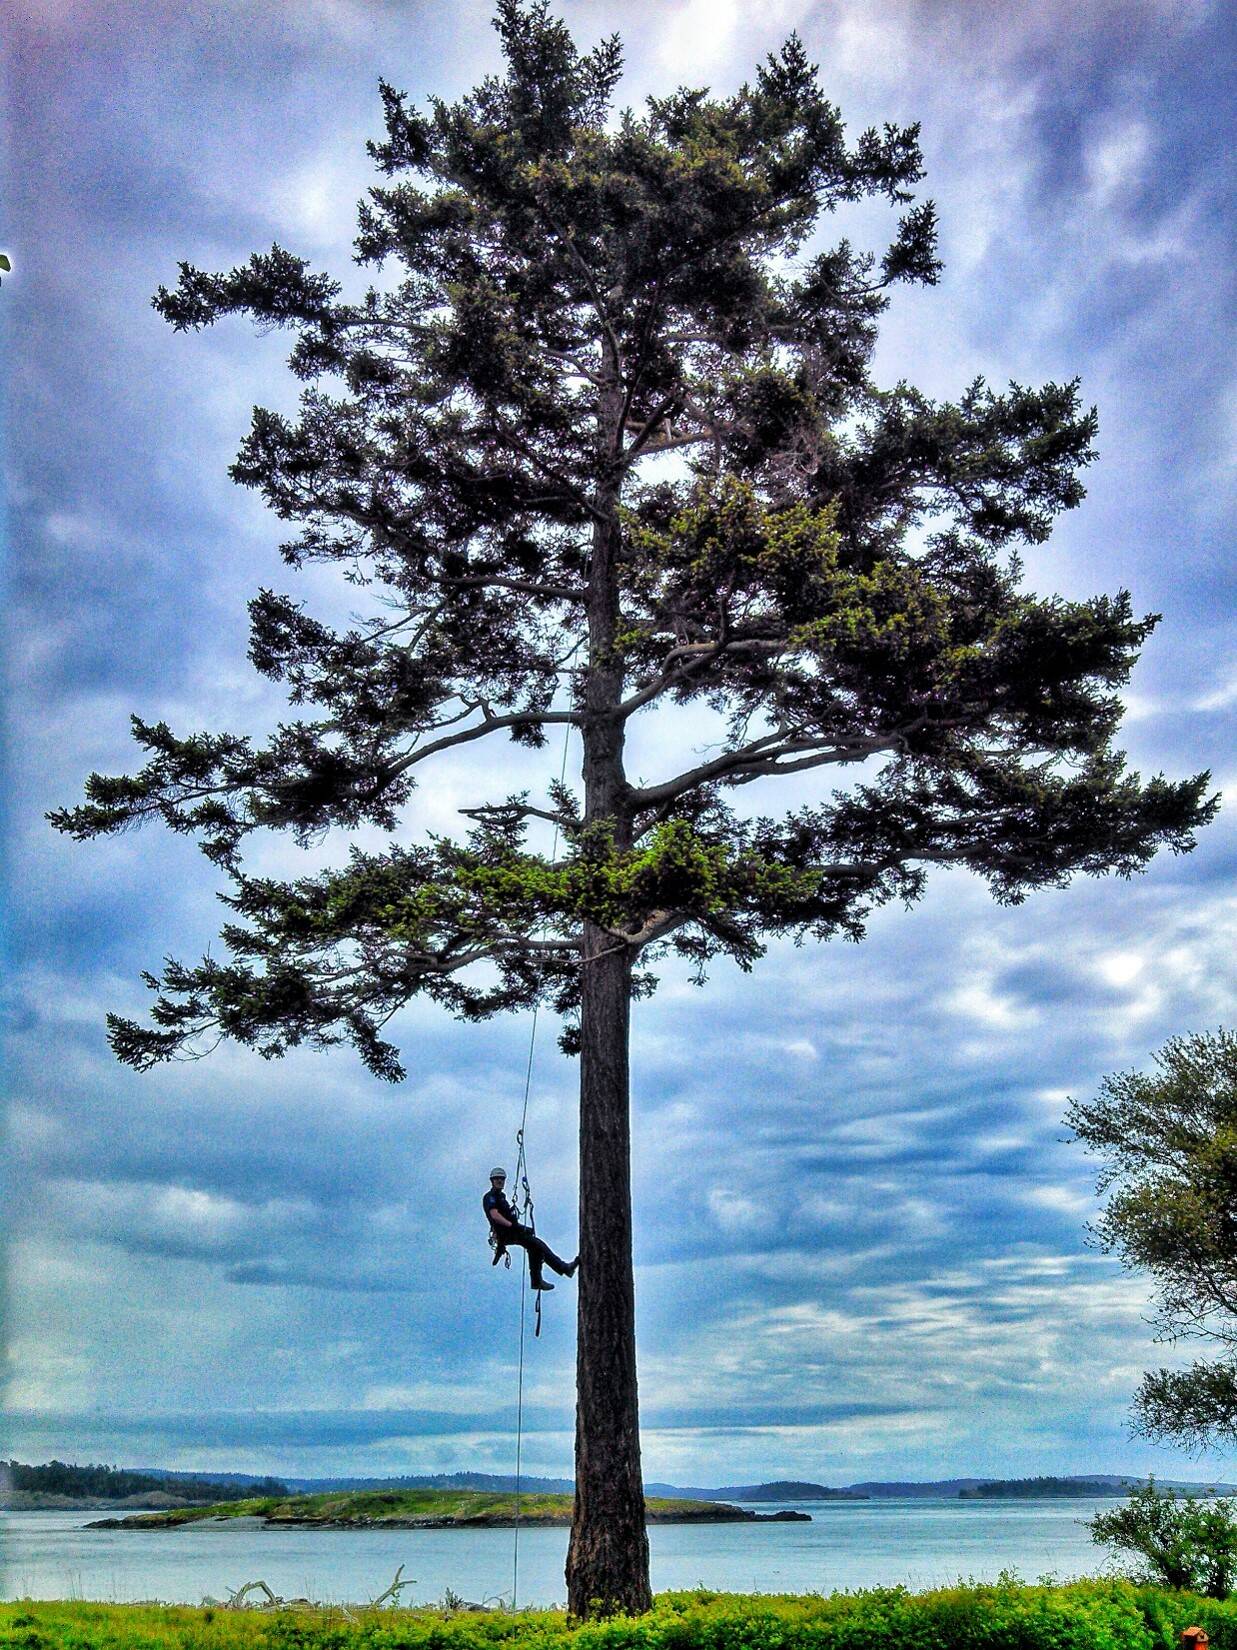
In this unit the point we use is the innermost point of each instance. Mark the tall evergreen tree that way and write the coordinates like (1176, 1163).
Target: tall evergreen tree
(608, 441)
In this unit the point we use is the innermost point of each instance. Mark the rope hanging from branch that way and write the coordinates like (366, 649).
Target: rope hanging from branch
(524, 1191)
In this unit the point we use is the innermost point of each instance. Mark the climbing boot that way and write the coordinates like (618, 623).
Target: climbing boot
(573, 1267)
(543, 1285)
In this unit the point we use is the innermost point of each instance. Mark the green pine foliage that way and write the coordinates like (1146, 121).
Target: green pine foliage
(627, 330)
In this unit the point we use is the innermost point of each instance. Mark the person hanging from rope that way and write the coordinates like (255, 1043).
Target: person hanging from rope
(508, 1232)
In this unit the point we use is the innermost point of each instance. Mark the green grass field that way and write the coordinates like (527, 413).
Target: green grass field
(1090, 1615)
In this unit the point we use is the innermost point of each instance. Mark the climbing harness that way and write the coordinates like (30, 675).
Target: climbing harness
(523, 1205)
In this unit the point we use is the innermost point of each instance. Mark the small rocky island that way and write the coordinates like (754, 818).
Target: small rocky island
(418, 1509)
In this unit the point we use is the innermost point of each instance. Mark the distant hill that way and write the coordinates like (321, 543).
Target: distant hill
(782, 1489)
(497, 1483)
(880, 1489)
(785, 1490)
(504, 1484)
(1039, 1489)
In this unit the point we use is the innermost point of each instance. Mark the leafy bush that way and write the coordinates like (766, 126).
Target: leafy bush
(1182, 1541)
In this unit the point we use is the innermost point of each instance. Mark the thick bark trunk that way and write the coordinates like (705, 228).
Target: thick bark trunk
(608, 1557)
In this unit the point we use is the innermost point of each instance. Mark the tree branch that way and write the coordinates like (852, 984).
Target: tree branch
(499, 581)
(599, 308)
(703, 653)
(643, 434)
(656, 927)
(820, 760)
(492, 724)
(671, 442)
(505, 431)
(574, 363)
(487, 811)
(760, 758)
(524, 942)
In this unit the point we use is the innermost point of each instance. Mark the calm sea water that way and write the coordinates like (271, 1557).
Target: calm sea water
(846, 1546)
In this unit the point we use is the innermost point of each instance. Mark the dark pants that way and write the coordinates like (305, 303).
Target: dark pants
(537, 1249)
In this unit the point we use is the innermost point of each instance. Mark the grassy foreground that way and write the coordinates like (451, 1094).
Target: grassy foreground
(354, 1509)
(1089, 1615)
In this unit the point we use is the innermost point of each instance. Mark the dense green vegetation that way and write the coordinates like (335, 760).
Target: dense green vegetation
(111, 1483)
(405, 1506)
(1167, 1139)
(1090, 1615)
(1177, 1540)
(1033, 1488)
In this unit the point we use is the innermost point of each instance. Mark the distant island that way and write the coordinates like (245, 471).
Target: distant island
(1037, 1489)
(425, 1510)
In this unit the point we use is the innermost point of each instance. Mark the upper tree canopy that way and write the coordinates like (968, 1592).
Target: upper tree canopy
(612, 324)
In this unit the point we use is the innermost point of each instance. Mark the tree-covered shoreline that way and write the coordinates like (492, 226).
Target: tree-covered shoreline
(1038, 1489)
(98, 1482)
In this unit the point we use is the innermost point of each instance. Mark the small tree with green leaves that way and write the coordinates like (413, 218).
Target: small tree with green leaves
(1169, 1141)
(1184, 1541)
(607, 441)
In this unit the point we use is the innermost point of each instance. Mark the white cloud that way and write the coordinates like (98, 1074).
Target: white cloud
(1065, 1198)
(735, 1213)
(977, 1003)
(1116, 158)
(802, 1048)
(1120, 967)
(1224, 692)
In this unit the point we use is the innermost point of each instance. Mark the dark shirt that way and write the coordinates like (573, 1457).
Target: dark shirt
(498, 1200)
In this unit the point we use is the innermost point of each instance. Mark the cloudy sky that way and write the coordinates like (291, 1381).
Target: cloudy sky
(860, 1235)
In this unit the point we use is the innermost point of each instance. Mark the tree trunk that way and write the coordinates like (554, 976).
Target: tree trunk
(608, 1557)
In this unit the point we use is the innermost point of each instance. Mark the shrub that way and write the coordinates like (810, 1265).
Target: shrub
(1090, 1615)
(1183, 1542)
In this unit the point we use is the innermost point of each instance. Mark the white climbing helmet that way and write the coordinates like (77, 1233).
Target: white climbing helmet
(498, 1174)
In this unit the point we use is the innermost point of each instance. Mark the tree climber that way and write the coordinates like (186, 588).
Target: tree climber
(507, 1230)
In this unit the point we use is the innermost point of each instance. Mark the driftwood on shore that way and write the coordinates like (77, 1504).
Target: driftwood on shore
(242, 1598)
